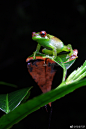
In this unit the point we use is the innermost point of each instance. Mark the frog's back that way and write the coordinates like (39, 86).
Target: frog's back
(56, 42)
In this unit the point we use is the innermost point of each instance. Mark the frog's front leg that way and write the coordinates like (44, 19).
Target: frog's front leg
(37, 50)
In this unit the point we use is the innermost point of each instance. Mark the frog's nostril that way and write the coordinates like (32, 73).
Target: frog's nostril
(33, 34)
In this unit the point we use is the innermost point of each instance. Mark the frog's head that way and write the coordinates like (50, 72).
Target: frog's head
(41, 37)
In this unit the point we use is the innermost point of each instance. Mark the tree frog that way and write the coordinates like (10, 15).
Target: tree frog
(52, 45)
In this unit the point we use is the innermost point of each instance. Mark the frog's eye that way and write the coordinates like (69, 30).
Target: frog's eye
(43, 33)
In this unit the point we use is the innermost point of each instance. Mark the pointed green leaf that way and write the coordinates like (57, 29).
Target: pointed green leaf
(30, 106)
(77, 74)
(67, 63)
(7, 84)
(9, 102)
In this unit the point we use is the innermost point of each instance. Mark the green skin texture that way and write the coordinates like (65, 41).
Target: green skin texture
(52, 45)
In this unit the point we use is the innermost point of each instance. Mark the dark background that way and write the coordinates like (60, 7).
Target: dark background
(62, 18)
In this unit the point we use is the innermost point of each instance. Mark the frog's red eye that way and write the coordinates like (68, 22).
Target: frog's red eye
(43, 33)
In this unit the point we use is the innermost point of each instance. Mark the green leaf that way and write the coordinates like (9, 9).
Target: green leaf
(61, 59)
(30, 106)
(77, 74)
(9, 102)
(7, 84)
(58, 60)
(67, 63)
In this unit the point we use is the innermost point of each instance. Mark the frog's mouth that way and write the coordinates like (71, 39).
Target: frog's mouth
(34, 34)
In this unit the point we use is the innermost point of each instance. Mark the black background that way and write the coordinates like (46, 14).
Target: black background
(63, 19)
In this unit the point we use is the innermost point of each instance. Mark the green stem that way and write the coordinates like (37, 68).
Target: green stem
(64, 75)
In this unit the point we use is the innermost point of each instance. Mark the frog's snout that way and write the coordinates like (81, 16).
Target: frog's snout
(33, 34)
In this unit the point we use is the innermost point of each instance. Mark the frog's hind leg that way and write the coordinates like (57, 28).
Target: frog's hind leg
(47, 52)
(68, 48)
